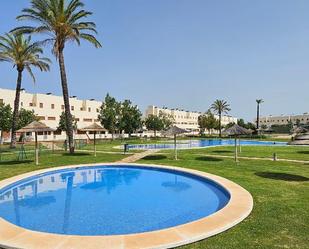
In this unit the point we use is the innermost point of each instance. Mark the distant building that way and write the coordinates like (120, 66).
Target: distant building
(48, 108)
(185, 119)
(284, 119)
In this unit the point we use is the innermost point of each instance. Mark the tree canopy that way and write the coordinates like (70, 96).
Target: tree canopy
(25, 117)
(62, 126)
(130, 117)
(208, 121)
(5, 118)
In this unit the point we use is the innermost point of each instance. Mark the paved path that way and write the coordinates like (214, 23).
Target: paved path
(105, 152)
(256, 158)
(138, 156)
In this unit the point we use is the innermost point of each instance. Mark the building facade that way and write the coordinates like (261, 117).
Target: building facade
(284, 119)
(48, 108)
(185, 119)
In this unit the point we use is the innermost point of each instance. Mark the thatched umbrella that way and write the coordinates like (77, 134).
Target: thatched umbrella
(94, 128)
(174, 131)
(301, 139)
(298, 130)
(36, 127)
(236, 131)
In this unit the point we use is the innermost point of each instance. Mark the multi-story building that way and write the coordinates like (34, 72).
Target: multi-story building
(284, 119)
(48, 108)
(185, 119)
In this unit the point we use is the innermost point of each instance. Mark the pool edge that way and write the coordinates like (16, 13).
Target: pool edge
(236, 210)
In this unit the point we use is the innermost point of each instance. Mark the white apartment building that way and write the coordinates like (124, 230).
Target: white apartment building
(48, 108)
(284, 119)
(185, 119)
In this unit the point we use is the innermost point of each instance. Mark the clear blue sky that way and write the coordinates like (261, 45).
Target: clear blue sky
(186, 53)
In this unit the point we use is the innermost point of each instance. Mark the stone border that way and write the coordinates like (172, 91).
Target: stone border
(237, 209)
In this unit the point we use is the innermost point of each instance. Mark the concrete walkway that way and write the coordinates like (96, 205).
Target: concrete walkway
(138, 156)
(255, 158)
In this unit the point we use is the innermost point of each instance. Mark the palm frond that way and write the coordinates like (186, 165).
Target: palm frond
(28, 68)
(91, 39)
(61, 20)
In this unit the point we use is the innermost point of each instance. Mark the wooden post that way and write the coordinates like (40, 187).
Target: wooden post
(175, 145)
(94, 144)
(36, 149)
(239, 145)
(236, 159)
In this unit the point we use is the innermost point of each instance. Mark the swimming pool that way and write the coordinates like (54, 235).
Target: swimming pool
(42, 209)
(202, 143)
(110, 200)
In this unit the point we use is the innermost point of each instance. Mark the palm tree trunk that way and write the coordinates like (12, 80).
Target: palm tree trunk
(65, 92)
(220, 133)
(16, 109)
(258, 116)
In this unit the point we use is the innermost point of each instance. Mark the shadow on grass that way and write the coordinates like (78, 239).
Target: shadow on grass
(15, 162)
(76, 154)
(303, 152)
(208, 158)
(155, 157)
(282, 176)
(222, 151)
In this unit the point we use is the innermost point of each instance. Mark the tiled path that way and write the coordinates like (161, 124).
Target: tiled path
(138, 156)
(257, 158)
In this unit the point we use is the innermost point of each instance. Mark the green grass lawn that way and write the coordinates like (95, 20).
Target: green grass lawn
(280, 217)
(280, 190)
(48, 160)
(283, 152)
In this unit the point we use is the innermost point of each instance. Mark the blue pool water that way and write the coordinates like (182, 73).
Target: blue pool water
(109, 200)
(202, 143)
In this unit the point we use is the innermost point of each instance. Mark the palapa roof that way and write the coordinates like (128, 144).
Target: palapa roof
(93, 127)
(301, 139)
(236, 130)
(299, 129)
(35, 126)
(174, 130)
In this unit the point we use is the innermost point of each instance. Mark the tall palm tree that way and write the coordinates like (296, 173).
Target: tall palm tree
(23, 54)
(220, 107)
(62, 21)
(258, 103)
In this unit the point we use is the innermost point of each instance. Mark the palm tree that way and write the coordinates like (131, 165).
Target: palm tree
(23, 54)
(258, 102)
(62, 21)
(220, 107)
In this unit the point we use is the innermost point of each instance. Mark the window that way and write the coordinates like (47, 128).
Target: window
(87, 120)
(57, 132)
(1, 101)
(41, 117)
(52, 106)
(51, 118)
(30, 104)
(41, 105)
(89, 109)
(81, 108)
(98, 110)
(21, 103)
(62, 107)
(72, 108)
(77, 119)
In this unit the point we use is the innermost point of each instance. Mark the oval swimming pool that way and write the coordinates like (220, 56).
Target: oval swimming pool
(110, 200)
(187, 144)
